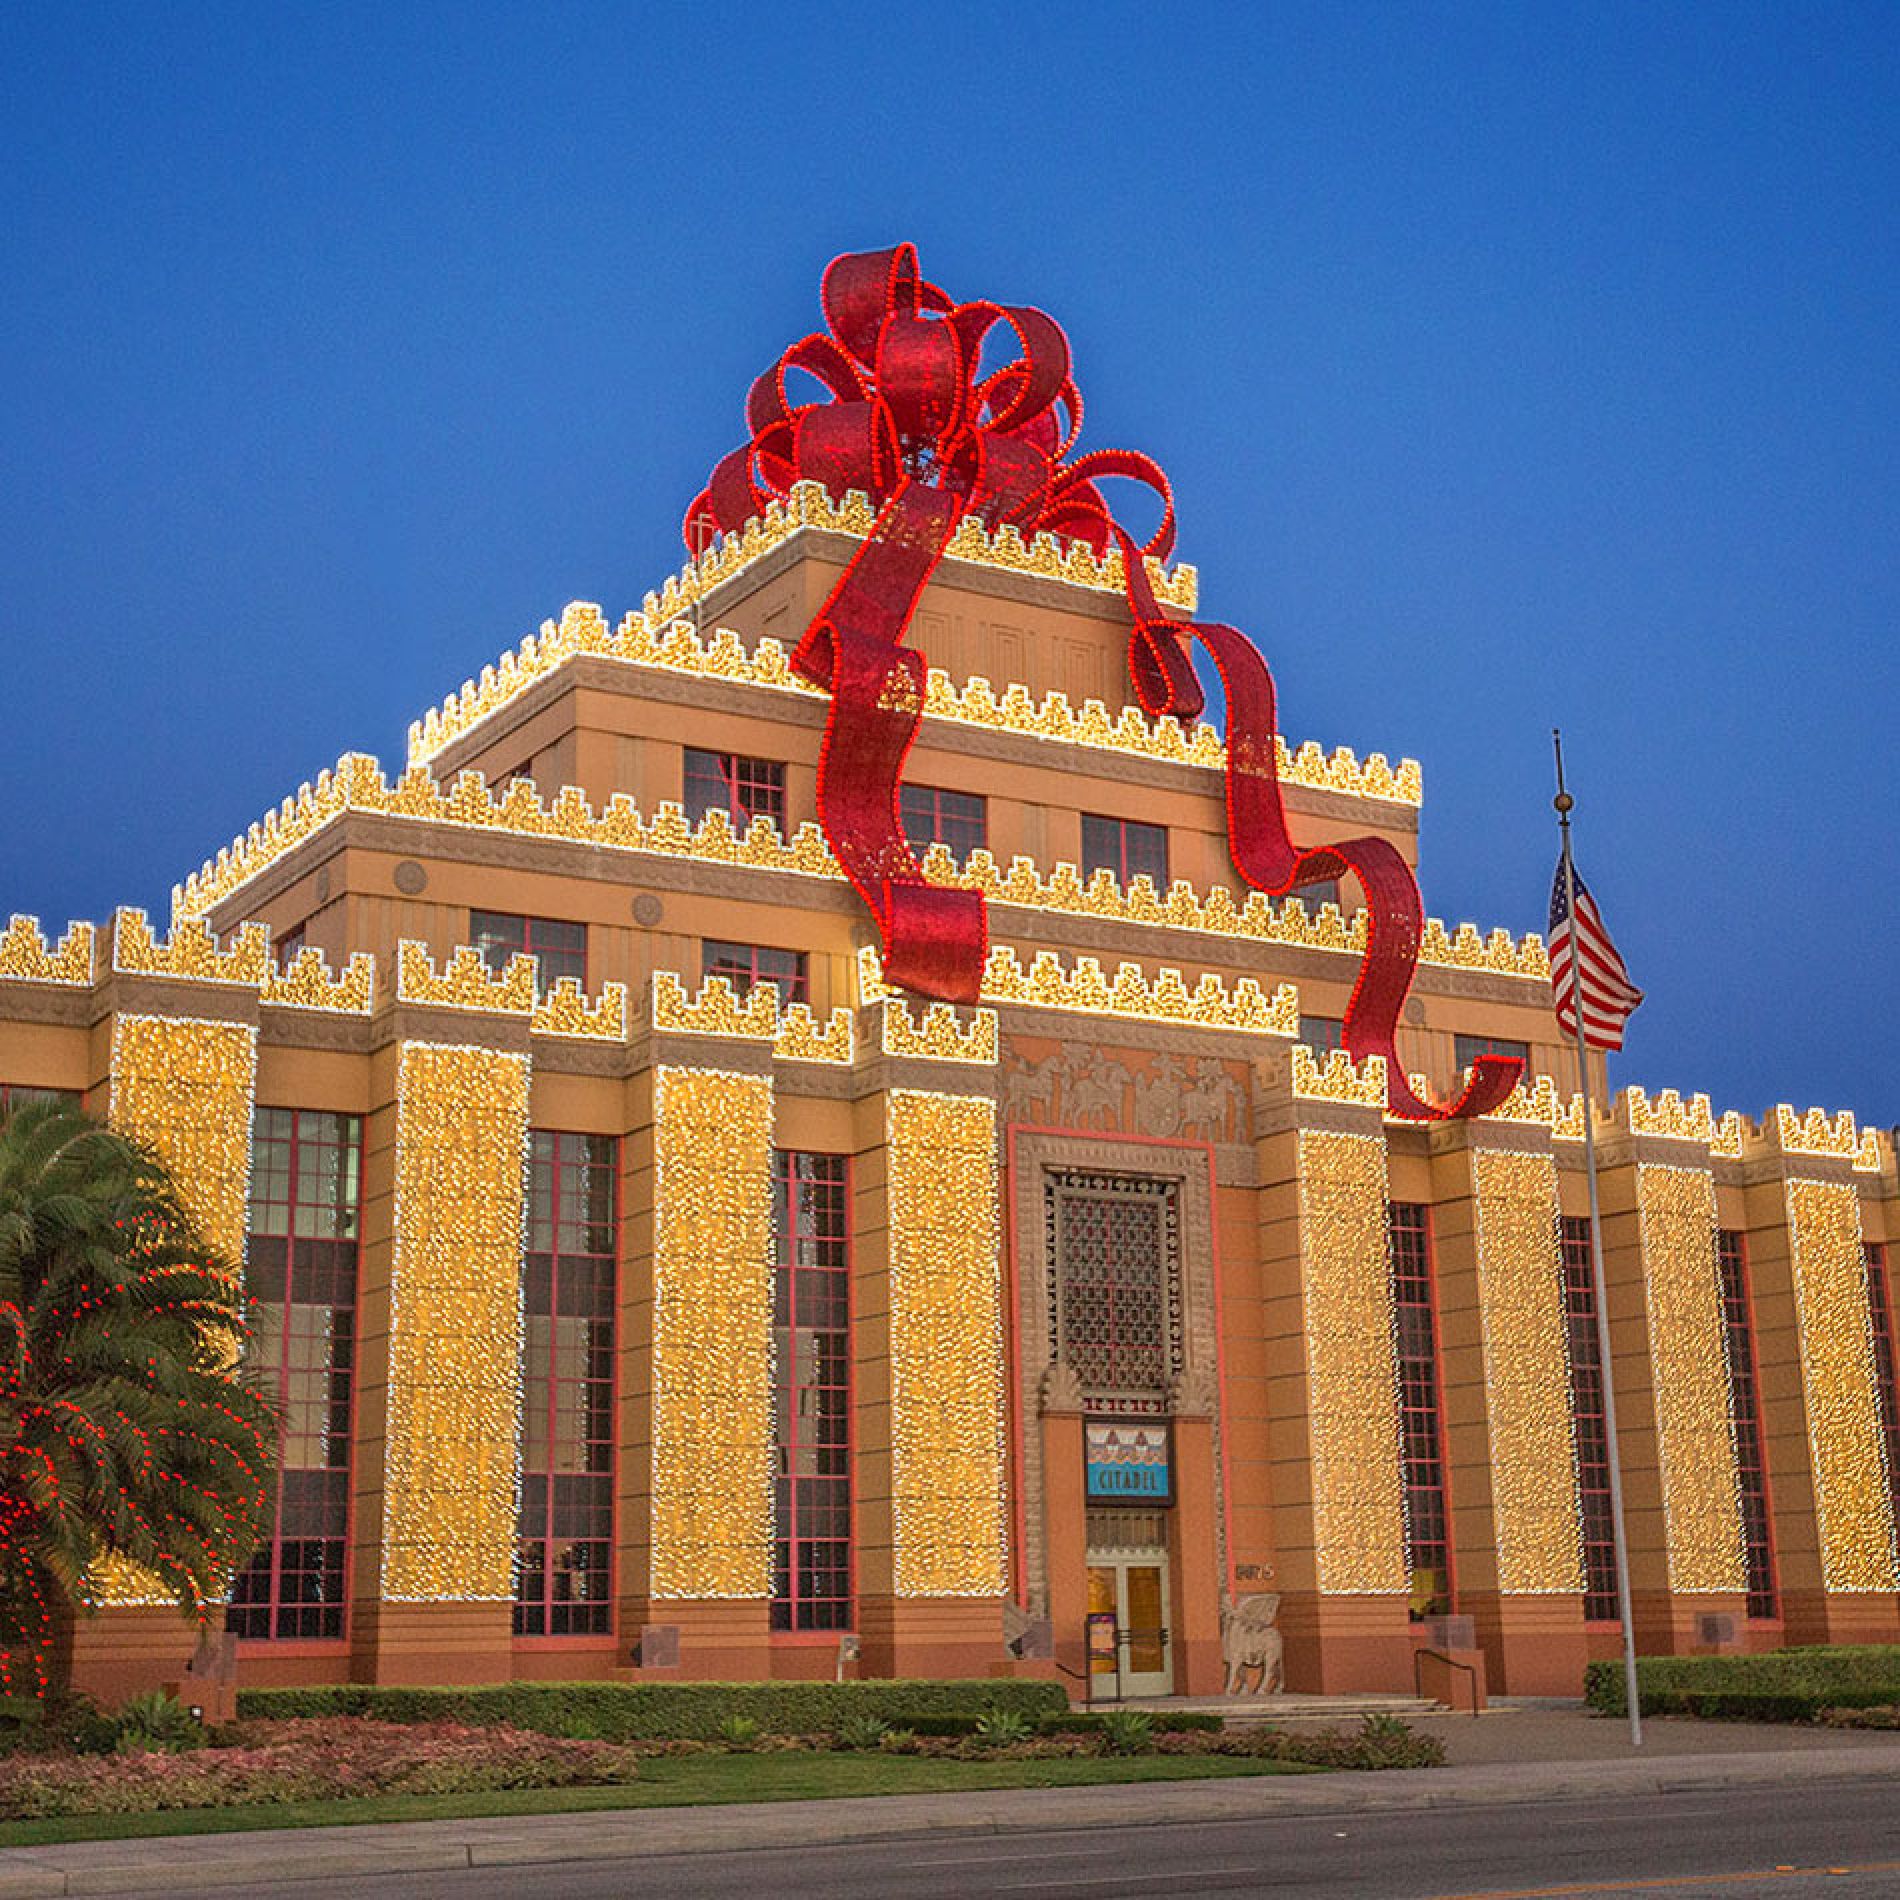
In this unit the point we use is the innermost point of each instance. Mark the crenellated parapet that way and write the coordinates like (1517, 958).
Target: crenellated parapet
(936, 1032)
(191, 951)
(566, 1010)
(1539, 1101)
(464, 982)
(308, 983)
(1085, 988)
(27, 955)
(1817, 1135)
(1676, 1120)
(582, 629)
(1338, 1078)
(678, 647)
(359, 785)
(716, 1009)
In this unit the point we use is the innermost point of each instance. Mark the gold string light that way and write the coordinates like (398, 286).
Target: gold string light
(1526, 1373)
(946, 1345)
(1352, 1380)
(451, 1454)
(1852, 1501)
(712, 1334)
(1695, 1438)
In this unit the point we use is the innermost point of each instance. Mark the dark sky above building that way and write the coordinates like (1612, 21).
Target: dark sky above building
(1514, 366)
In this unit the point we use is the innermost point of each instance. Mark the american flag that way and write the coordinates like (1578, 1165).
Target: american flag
(1609, 996)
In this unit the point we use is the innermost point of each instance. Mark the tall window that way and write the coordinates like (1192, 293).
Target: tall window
(1126, 848)
(742, 788)
(1115, 1245)
(559, 948)
(563, 1556)
(746, 965)
(957, 820)
(306, 1169)
(811, 1544)
(1467, 1049)
(1744, 1399)
(1880, 1310)
(1590, 1425)
(1421, 1410)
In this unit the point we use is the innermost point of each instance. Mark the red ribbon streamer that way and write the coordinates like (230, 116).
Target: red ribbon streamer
(909, 418)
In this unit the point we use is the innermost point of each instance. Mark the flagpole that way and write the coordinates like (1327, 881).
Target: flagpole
(1564, 802)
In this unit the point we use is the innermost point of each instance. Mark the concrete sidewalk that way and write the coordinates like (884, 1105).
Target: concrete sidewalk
(1517, 1755)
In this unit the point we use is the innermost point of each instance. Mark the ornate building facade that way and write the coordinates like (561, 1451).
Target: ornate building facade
(655, 1290)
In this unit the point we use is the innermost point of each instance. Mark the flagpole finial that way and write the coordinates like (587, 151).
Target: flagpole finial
(1563, 803)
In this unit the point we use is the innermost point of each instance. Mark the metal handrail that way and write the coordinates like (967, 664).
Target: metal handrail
(1450, 1662)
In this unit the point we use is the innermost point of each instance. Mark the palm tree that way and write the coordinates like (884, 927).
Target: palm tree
(126, 1425)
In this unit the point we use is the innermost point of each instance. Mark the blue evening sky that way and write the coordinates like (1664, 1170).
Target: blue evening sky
(1515, 365)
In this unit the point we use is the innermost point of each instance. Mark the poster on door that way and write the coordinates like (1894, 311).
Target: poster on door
(1127, 1463)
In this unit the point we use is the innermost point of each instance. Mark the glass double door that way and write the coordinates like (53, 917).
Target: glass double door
(1132, 1586)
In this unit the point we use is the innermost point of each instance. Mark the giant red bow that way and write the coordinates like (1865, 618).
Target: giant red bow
(913, 420)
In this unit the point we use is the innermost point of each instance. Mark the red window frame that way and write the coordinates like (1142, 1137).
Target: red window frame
(746, 965)
(1426, 1471)
(569, 1271)
(934, 814)
(1323, 1034)
(1589, 1423)
(1467, 1049)
(297, 1586)
(1886, 1329)
(1744, 1404)
(743, 788)
(1315, 892)
(557, 944)
(813, 1549)
(1127, 848)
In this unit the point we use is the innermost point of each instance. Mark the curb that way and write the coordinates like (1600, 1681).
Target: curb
(199, 1863)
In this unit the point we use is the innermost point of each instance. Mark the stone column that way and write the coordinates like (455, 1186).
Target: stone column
(440, 1399)
(1332, 1382)
(1832, 1508)
(1518, 1557)
(930, 1599)
(1198, 1669)
(1669, 1357)
(1065, 1516)
(709, 1403)
(183, 1084)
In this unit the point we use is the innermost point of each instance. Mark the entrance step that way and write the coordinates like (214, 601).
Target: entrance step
(1241, 1710)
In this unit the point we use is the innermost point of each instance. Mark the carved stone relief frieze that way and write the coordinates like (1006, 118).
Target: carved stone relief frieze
(1167, 1099)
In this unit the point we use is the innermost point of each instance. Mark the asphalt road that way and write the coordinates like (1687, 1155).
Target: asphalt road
(1841, 1838)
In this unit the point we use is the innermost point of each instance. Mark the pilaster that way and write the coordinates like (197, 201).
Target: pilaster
(1508, 1421)
(1332, 1381)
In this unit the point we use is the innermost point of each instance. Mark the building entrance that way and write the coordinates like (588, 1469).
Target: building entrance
(1132, 1586)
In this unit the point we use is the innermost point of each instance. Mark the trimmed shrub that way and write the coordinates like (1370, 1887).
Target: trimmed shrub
(660, 1711)
(1781, 1685)
(938, 1725)
(327, 1762)
(1392, 1744)
(1165, 1722)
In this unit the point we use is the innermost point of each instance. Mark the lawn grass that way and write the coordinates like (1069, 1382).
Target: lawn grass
(667, 1781)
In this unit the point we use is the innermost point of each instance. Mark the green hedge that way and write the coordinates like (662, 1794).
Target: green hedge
(626, 1711)
(1166, 1722)
(1780, 1685)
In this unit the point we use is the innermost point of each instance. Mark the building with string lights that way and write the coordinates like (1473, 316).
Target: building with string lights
(706, 1219)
